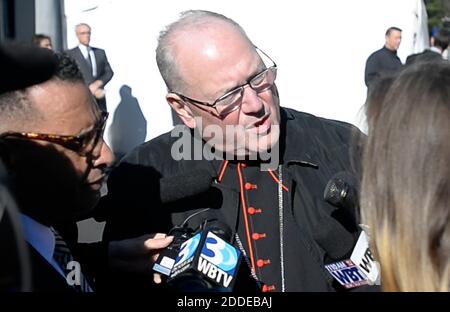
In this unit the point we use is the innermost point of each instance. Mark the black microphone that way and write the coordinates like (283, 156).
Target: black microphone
(342, 191)
(336, 234)
(207, 261)
(350, 260)
(184, 185)
(24, 65)
(166, 191)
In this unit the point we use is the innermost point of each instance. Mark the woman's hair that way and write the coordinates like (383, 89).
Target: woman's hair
(405, 197)
(37, 38)
(375, 97)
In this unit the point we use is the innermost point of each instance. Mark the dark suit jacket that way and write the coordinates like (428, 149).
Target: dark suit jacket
(44, 277)
(425, 56)
(104, 71)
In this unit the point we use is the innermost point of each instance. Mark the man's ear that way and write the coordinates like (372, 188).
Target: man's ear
(182, 110)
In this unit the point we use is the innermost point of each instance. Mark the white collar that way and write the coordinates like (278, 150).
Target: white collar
(434, 49)
(84, 50)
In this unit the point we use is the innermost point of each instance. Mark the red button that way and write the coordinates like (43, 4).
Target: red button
(252, 210)
(261, 262)
(267, 288)
(249, 186)
(257, 236)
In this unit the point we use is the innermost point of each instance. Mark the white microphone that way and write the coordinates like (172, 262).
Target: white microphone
(363, 258)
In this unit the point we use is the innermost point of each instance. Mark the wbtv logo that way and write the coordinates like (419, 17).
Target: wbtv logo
(218, 260)
(347, 274)
(220, 253)
(188, 248)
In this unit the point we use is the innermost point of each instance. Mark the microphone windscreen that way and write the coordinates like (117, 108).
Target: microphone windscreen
(24, 65)
(185, 185)
(338, 187)
(342, 191)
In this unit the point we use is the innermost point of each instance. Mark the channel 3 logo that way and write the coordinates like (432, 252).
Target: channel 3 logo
(188, 248)
(220, 253)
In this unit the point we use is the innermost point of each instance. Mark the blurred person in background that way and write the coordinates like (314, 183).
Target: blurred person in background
(439, 44)
(42, 41)
(93, 64)
(384, 60)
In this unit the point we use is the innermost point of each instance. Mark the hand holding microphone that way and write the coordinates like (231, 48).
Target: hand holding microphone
(359, 267)
(132, 255)
(206, 261)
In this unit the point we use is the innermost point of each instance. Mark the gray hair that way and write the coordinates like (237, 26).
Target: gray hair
(165, 56)
(81, 24)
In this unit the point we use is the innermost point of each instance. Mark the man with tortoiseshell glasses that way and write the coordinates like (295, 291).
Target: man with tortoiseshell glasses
(52, 146)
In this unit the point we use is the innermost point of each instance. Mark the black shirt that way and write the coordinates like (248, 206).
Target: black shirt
(381, 61)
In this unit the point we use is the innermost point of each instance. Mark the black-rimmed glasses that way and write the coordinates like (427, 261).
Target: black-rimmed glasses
(87, 144)
(232, 100)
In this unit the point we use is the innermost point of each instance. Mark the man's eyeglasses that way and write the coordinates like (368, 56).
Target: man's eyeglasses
(87, 144)
(232, 100)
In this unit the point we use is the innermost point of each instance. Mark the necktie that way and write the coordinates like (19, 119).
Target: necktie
(91, 62)
(63, 256)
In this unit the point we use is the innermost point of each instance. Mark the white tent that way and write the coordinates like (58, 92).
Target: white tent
(320, 48)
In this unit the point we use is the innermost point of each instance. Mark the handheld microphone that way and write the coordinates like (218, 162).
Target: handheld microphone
(342, 191)
(347, 274)
(185, 185)
(24, 65)
(362, 256)
(167, 257)
(166, 191)
(207, 261)
(361, 269)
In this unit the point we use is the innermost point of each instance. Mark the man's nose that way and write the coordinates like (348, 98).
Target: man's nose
(106, 156)
(251, 102)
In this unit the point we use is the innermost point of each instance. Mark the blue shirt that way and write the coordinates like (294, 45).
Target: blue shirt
(42, 239)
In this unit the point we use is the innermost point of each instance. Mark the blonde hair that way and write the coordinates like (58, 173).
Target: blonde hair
(405, 197)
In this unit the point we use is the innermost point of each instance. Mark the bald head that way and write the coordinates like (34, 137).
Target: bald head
(198, 37)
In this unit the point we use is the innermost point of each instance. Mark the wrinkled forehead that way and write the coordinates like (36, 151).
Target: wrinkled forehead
(208, 39)
(214, 49)
(64, 104)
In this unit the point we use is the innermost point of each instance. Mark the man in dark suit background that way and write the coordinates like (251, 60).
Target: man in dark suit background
(385, 60)
(439, 43)
(93, 64)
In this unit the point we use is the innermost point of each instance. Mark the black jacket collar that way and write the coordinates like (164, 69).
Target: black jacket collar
(296, 145)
